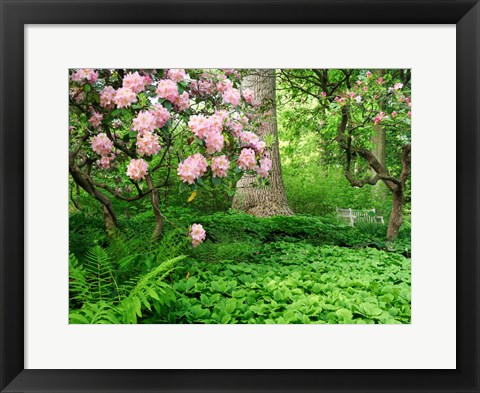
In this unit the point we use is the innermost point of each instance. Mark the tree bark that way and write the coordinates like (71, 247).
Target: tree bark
(396, 214)
(83, 182)
(157, 232)
(268, 200)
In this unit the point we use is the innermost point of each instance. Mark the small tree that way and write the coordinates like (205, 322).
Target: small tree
(352, 103)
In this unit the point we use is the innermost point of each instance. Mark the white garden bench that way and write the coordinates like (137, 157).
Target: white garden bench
(351, 216)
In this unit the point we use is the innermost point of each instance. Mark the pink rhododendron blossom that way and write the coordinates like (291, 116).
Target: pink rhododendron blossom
(265, 166)
(397, 86)
(259, 146)
(359, 82)
(409, 114)
(323, 94)
(124, 97)
(101, 144)
(231, 96)
(85, 74)
(167, 89)
(134, 82)
(214, 142)
(217, 120)
(105, 161)
(202, 87)
(407, 100)
(365, 88)
(182, 102)
(144, 122)
(192, 168)
(249, 96)
(394, 114)
(220, 166)
(352, 94)
(147, 144)
(235, 127)
(198, 234)
(380, 80)
(176, 74)
(249, 138)
(247, 160)
(369, 74)
(358, 99)
(96, 119)
(160, 114)
(107, 97)
(200, 125)
(224, 86)
(137, 169)
(379, 118)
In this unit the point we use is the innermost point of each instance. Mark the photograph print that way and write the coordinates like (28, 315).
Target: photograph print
(239, 196)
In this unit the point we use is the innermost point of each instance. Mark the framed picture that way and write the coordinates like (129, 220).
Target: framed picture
(54, 65)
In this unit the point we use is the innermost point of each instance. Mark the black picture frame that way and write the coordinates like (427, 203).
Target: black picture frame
(16, 14)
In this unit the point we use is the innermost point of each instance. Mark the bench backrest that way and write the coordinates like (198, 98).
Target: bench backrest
(351, 216)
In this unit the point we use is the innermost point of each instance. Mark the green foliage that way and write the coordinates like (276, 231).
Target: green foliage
(127, 280)
(297, 283)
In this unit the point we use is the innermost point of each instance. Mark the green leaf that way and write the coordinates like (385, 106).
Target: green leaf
(343, 313)
(226, 318)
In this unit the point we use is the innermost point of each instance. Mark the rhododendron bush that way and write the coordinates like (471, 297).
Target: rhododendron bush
(131, 131)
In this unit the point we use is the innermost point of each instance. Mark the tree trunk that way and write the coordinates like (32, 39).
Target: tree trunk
(109, 221)
(157, 232)
(269, 200)
(396, 215)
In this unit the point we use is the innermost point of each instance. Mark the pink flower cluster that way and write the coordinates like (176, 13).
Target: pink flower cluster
(107, 97)
(192, 168)
(202, 87)
(200, 125)
(160, 114)
(85, 74)
(249, 96)
(135, 82)
(176, 74)
(101, 144)
(147, 144)
(124, 97)
(144, 122)
(265, 166)
(182, 103)
(231, 96)
(220, 166)
(96, 119)
(214, 141)
(137, 169)
(379, 118)
(105, 161)
(198, 234)
(167, 89)
(247, 159)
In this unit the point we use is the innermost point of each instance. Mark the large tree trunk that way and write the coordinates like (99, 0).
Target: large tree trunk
(268, 200)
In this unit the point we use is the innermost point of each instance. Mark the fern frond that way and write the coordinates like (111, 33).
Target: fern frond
(95, 313)
(149, 291)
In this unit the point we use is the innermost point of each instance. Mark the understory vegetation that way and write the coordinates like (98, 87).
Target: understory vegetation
(299, 269)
